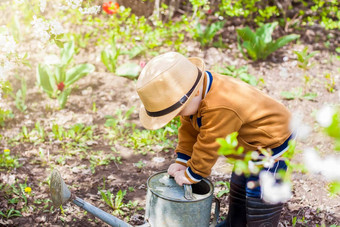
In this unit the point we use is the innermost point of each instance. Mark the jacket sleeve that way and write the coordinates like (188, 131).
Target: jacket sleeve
(187, 136)
(215, 124)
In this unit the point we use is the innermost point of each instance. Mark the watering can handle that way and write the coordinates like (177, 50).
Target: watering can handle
(188, 192)
(217, 212)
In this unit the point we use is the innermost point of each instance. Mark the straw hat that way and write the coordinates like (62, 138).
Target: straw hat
(166, 84)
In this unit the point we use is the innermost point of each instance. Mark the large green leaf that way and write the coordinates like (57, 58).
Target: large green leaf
(45, 79)
(246, 34)
(250, 50)
(105, 57)
(62, 98)
(280, 42)
(265, 32)
(77, 72)
(67, 53)
(59, 73)
(130, 70)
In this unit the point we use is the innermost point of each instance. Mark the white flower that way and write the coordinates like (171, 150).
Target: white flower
(252, 167)
(7, 43)
(90, 10)
(40, 29)
(273, 192)
(74, 4)
(298, 128)
(328, 167)
(325, 116)
(268, 163)
(42, 5)
(56, 27)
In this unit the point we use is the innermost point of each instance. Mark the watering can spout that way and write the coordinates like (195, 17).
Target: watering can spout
(61, 194)
(59, 191)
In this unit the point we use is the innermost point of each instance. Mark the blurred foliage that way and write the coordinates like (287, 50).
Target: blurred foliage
(259, 44)
(326, 13)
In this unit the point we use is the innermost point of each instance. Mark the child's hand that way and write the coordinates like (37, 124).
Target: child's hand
(180, 178)
(173, 168)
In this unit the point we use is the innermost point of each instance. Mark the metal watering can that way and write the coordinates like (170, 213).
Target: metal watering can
(167, 203)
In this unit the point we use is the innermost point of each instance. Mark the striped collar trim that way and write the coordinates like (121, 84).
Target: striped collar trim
(209, 82)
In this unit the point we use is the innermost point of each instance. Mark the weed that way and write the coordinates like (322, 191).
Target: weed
(11, 213)
(115, 202)
(303, 58)
(7, 161)
(205, 34)
(225, 190)
(100, 159)
(241, 73)
(140, 164)
(118, 125)
(259, 44)
(330, 82)
(298, 94)
(110, 55)
(20, 96)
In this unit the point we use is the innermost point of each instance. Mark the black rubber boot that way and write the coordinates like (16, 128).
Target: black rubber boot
(237, 208)
(261, 214)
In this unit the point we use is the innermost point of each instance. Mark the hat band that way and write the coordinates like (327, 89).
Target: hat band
(177, 104)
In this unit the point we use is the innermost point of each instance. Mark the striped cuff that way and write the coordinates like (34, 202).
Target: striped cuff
(192, 177)
(182, 158)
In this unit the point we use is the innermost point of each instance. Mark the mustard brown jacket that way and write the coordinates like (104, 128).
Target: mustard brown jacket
(229, 105)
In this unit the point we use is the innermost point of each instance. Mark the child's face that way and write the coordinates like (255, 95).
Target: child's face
(192, 107)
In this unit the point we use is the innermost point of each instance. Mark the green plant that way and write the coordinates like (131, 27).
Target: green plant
(225, 190)
(20, 96)
(5, 89)
(330, 82)
(115, 202)
(58, 132)
(11, 213)
(129, 70)
(140, 164)
(118, 125)
(110, 55)
(57, 83)
(100, 159)
(298, 94)
(205, 34)
(7, 161)
(303, 58)
(259, 44)
(154, 140)
(135, 51)
(241, 73)
(338, 51)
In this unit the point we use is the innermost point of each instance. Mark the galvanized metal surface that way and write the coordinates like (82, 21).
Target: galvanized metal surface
(102, 215)
(60, 194)
(166, 205)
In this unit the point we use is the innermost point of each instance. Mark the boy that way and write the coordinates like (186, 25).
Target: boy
(212, 106)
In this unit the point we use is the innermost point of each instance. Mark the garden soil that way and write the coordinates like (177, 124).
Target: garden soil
(310, 204)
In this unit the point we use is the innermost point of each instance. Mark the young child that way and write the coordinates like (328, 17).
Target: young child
(212, 106)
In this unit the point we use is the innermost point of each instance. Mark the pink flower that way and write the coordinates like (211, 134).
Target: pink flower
(142, 64)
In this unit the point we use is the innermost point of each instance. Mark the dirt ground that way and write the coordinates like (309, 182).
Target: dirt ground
(310, 203)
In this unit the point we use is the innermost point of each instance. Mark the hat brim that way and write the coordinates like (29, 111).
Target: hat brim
(158, 122)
